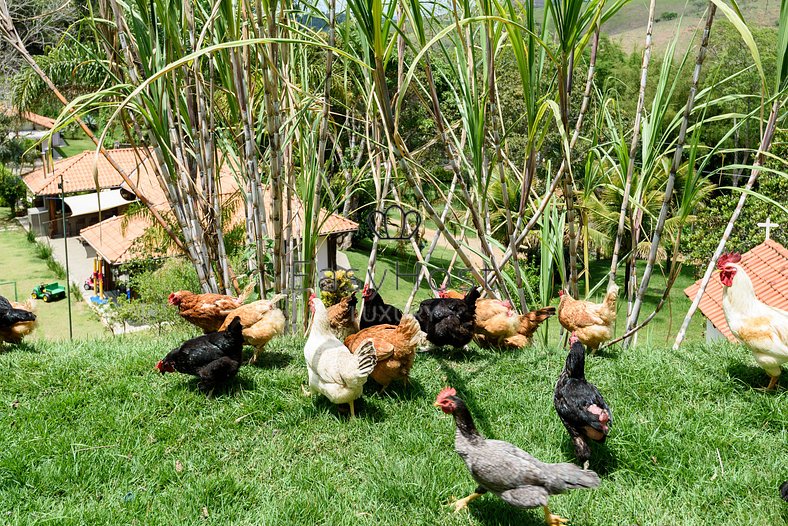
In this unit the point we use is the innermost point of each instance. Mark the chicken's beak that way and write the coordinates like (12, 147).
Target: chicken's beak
(436, 404)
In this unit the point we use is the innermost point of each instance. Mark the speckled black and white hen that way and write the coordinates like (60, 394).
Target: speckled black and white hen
(506, 470)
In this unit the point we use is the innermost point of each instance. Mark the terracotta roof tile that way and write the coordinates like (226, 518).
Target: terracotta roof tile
(77, 172)
(767, 267)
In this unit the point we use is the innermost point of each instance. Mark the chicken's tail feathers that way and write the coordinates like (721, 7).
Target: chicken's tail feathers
(575, 477)
(277, 298)
(611, 296)
(410, 330)
(540, 315)
(366, 357)
(247, 292)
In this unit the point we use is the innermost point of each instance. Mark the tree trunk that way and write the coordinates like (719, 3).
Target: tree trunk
(663, 214)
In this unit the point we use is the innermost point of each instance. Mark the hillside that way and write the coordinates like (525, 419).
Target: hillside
(629, 25)
(93, 435)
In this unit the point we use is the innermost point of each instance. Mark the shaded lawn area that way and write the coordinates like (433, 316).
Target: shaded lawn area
(93, 435)
(18, 262)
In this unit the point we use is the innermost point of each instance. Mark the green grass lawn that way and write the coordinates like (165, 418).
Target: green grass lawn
(19, 263)
(93, 435)
(77, 145)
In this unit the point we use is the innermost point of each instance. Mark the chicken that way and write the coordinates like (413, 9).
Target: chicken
(214, 358)
(762, 328)
(443, 292)
(497, 324)
(395, 348)
(449, 321)
(506, 470)
(784, 491)
(579, 404)
(17, 320)
(206, 311)
(342, 317)
(261, 321)
(591, 322)
(333, 370)
(529, 322)
(376, 311)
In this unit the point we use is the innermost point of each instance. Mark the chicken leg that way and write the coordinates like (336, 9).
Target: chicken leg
(772, 382)
(352, 409)
(463, 503)
(553, 520)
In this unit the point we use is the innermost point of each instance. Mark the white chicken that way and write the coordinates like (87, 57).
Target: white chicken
(762, 328)
(333, 370)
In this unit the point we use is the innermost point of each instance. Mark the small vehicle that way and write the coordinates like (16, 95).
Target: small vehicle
(89, 283)
(48, 292)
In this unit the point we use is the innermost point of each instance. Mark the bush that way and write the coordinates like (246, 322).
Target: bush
(43, 250)
(667, 15)
(335, 285)
(701, 240)
(152, 288)
(12, 189)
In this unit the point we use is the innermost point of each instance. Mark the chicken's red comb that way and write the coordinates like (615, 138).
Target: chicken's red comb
(445, 393)
(730, 257)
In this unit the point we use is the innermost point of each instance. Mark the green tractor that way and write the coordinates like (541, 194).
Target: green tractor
(49, 292)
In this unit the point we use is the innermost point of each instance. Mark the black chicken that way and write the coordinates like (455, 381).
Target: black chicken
(449, 321)
(580, 405)
(506, 470)
(784, 491)
(376, 311)
(9, 315)
(15, 323)
(214, 358)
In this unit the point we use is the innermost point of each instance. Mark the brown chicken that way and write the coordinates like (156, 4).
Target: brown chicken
(207, 311)
(592, 323)
(395, 348)
(261, 321)
(16, 320)
(529, 322)
(342, 317)
(497, 324)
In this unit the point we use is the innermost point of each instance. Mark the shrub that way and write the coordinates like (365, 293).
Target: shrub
(152, 288)
(43, 250)
(668, 15)
(335, 285)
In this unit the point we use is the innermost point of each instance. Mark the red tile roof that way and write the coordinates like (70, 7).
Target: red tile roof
(767, 267)
(78, 172)
(35, 118)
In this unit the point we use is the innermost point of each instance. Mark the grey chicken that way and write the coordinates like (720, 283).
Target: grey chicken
(506, 470)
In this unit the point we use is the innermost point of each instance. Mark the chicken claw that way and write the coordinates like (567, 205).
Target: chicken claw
(305, 390)
(553, 520)
(463, 503)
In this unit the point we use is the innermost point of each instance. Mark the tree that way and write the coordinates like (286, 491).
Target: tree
(12, 189)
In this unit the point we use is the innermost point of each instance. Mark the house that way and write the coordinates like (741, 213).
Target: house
(92, 189)
(34, 127)
(115, 237)
(767, 267)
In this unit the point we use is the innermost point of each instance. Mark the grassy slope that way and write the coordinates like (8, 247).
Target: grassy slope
(629, 24)
(96, 435)
(19, 263)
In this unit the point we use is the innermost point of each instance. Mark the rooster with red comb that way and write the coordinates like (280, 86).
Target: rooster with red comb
(761, 327)
(504, 469)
